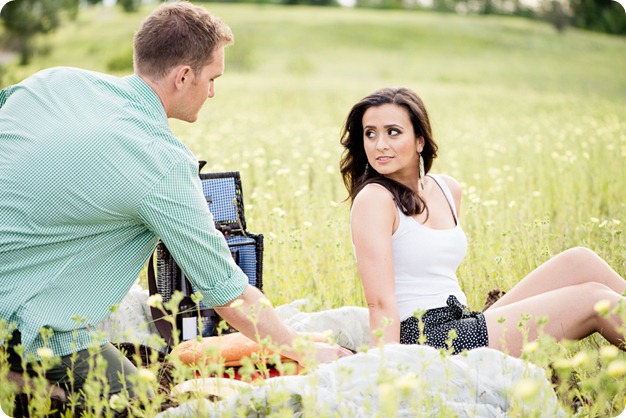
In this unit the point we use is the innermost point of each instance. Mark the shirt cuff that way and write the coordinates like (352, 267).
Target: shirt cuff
(227, 290)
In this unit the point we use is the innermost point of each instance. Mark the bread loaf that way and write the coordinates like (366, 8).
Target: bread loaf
(229, 348)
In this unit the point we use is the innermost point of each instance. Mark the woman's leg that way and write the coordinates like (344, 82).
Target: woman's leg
(570, 311)
(572, 267)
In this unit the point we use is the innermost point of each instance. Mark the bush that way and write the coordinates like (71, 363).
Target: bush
(122, 62)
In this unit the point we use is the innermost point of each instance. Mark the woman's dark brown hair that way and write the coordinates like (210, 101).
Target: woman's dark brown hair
(354, 168)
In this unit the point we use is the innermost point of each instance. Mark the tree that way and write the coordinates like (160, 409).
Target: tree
(129, 6)
(72, 8)
(599, 15)
(24, 19)
(445, 5)
(553, 12)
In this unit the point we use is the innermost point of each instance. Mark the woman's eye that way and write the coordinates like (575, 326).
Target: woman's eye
(394, 132)
(370, 134)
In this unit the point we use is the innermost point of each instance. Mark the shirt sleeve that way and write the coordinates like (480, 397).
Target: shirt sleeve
(4, 95)
(177, 212)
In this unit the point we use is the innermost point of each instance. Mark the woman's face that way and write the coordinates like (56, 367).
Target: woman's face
(390, 143)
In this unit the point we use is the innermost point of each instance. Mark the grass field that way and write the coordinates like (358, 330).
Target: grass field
(531, 122)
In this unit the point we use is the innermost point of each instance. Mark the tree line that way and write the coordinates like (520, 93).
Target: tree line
(597, 15)
(22, 20)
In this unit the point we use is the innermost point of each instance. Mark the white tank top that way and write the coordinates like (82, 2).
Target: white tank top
(425, 261)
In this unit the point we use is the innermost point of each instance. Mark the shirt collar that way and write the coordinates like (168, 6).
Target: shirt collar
(148, 95)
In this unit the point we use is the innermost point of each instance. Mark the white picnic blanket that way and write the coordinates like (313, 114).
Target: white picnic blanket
(395, 380)
(131, 321)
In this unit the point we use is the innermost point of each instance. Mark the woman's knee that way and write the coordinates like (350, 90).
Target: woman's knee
(594, 291)
(587, 265)
(577, 255)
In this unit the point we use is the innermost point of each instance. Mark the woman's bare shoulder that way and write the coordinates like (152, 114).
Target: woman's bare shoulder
(453, 185)
(373, 193)
(373, 212)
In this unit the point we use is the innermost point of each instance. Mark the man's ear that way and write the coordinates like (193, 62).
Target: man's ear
(182, 76)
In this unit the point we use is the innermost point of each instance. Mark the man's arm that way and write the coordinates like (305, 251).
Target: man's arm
(176, 211)
(253, 315)
(178, 214)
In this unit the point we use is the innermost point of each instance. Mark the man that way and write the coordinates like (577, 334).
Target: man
(91, 177)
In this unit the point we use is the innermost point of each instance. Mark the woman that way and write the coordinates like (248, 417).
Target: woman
(408, 244)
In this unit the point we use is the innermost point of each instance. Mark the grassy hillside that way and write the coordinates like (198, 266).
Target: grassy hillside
(532, 122)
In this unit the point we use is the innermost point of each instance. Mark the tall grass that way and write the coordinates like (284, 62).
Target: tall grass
(531, 122)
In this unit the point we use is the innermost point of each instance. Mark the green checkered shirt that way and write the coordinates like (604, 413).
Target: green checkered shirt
(90, 177)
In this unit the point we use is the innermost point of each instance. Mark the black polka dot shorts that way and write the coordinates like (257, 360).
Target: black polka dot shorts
(470, 327)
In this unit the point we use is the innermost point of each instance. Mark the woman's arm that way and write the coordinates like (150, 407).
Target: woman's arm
(373, 221)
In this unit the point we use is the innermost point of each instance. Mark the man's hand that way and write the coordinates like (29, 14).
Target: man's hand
(325, 353)
(314, 348)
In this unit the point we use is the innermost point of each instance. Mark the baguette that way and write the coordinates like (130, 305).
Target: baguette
(229, 348)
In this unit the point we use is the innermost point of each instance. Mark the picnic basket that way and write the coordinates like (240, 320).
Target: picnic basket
(224, 196)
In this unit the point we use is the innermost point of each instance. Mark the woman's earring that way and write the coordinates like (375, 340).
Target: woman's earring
(367, 169)
(422, 174)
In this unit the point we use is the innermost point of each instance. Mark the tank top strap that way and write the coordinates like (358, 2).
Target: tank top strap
(446, 192)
